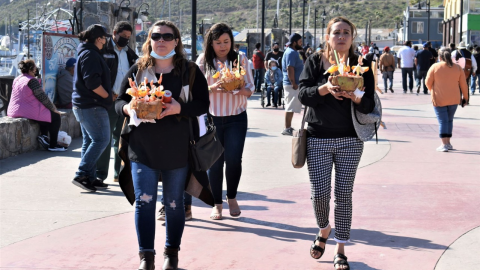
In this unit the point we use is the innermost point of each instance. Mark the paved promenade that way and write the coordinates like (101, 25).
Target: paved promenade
(414, 208)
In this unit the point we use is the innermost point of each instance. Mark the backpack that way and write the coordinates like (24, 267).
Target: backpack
(468, 65)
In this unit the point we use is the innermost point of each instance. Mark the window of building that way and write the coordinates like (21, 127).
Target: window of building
(475, 37)
(436, 14)
(419, 14)
(474, 6)
(417, 28)
(440, 27)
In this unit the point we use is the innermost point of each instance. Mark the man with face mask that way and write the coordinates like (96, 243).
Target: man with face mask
(275, 54)
(119, 58)
(292, 66)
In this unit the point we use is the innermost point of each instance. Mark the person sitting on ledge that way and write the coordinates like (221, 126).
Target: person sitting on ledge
(29, 101)
(65, 84)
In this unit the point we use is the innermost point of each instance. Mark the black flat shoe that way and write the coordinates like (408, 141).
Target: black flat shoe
(342, 260)
(318, 248)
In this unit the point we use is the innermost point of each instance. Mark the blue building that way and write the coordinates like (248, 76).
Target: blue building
(419, 27)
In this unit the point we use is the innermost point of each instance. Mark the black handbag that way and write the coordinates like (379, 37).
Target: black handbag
(207, 149)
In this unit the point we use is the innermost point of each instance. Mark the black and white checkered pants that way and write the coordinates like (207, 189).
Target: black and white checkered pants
(345, 153)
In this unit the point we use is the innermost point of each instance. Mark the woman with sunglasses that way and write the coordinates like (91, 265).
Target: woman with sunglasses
(151, 151)
(228, 110)
(91, 99)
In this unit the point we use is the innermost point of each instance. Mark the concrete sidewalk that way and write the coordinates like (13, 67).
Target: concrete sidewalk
(410, 204)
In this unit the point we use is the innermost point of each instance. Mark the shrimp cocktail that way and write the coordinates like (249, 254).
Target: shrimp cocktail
(148, 99)
(349, 78)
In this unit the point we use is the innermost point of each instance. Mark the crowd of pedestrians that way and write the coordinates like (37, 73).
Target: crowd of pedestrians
(105, 66)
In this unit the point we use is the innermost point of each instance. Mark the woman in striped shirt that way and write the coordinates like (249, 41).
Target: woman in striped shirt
(228, 110)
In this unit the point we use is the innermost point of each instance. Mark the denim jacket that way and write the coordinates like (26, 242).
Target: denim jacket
(277, 75)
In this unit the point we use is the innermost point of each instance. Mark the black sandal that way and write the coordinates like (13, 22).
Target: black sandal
(318, 248)
(342, 261)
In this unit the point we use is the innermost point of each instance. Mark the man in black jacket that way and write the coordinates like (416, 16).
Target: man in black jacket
(119, 58)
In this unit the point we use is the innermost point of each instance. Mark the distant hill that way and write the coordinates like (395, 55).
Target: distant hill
(238, 13)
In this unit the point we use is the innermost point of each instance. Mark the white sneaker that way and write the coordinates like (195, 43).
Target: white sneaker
(442, 148)
(57, 149)
(449, 147)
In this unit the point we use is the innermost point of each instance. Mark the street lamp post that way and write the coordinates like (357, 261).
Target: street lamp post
(324, 16)
(193, 40)
(263, 26)
(427, 3)
(315, 29)
(290, 27)
(303, 24)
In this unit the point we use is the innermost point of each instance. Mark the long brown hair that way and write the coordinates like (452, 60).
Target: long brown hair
(351, 52)
(214, 33)
(178, 59)
(445, 54)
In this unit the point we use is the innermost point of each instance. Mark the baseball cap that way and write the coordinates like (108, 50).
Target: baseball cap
(294, 37)
(70, 62)
(95, 31)
(387, 49)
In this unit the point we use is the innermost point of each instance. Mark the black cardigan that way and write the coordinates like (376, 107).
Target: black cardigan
(164, 144)
(327, 116)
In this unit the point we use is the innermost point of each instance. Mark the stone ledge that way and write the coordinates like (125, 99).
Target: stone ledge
(19, 135)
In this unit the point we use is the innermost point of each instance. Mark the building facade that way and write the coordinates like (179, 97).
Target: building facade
(461, 23)
(419, 27)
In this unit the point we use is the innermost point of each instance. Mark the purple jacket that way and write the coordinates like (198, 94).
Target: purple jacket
(23, 104)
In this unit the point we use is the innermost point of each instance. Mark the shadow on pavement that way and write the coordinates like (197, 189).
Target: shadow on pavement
(243, 198)
(291, 233)
(30, 158)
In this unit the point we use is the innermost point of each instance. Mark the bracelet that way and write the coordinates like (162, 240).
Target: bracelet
(209, 89)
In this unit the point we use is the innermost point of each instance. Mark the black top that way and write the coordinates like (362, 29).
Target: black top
(328, 117)
(277, 57)
(91, 71)
(164, 144)
(434, 53)
(423, 59)
(111, 58)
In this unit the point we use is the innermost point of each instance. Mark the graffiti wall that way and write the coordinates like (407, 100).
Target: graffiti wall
(56, 50)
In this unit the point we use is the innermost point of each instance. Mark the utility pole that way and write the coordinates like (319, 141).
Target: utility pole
(303, 24)
(290, 27)
(263, 26)
(461, 20)
(193, 41)
(315, 29)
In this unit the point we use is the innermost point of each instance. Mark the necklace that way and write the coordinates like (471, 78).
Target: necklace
(165, 69)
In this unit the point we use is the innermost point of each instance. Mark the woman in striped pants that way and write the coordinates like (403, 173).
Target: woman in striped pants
(331, 136)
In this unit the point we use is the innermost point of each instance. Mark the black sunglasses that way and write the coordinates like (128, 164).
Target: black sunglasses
(166, 36)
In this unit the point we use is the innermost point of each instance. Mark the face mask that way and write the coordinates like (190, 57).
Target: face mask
(122, 42)
(276, 50)
(159, 57)
(274, 68)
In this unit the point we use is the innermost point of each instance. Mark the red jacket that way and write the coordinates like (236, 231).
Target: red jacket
(258, 59)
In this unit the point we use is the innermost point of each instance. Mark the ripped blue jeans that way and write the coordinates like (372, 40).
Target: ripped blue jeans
(145, 183)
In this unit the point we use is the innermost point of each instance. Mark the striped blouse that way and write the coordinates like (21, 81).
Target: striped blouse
(227, 104)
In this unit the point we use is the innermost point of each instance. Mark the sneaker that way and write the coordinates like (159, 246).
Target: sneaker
(161, 214)
(442, 148)
(391, 89)
(268, 105)
(449, 147)
(418, 90)
(411, 91)
(43, 143)
(57, 149)
(84, 183)
(405, 92)
(288, 131)
(99, 184)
